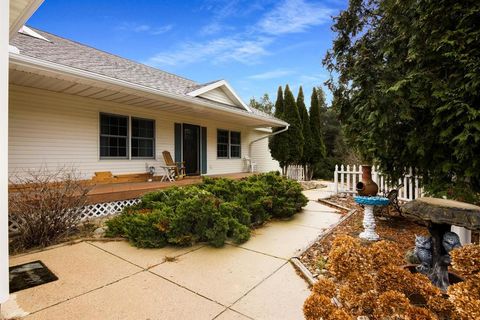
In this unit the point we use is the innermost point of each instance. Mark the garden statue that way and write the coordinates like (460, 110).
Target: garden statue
(423, 251)
(439, 215)
(367, 190)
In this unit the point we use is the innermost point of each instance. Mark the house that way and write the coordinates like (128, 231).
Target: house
(73, 105)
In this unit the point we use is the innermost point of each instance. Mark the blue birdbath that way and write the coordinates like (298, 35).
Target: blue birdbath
(368, 218)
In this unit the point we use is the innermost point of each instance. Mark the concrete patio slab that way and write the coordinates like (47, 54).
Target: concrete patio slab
(279, 297)
(314, 205)
(283, 239)
(141, 296)
(80, 269)
(223, 275)
(145, 258)
(323, 193)
(316, 219)
(231, 315)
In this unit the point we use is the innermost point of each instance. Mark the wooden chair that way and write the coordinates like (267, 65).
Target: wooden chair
(178, 167)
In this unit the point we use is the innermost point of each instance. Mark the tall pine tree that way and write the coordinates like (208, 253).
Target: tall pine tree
(306, 159)
(294, 135)
(318, 146)
(278, 143)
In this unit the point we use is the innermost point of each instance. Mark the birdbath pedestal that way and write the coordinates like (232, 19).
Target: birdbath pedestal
(439, 215)
(369, 203)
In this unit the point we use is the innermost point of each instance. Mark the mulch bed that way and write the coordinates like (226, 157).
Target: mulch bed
(397, 230)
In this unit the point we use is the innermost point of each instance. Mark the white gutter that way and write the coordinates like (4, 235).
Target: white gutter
(265, 137)
(43, 65)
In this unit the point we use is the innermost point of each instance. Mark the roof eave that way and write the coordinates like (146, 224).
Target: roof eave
(43, 65)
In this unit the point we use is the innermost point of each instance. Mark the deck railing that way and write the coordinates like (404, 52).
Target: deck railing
(346, 178)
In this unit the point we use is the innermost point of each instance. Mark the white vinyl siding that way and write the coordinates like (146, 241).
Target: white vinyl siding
(55, 130)
(218, 95)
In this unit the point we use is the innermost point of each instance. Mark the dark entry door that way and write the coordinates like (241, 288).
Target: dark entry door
(191, 149)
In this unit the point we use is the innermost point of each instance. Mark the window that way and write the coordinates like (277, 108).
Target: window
(222, 143)
(143, 138)
(235, 145)
(113, 136)
(228, 144)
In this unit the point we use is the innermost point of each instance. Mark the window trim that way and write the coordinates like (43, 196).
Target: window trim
(235, 144)
(153, 138)
(223, 143)
(229, 144)
(128, 137)
(100, 135)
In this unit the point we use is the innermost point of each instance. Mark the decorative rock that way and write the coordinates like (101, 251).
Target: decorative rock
(442, 211)
(99, 232)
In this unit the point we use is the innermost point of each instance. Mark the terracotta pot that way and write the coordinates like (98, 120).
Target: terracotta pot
(367, 187)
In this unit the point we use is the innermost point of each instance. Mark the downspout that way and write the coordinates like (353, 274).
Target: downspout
(265, 137)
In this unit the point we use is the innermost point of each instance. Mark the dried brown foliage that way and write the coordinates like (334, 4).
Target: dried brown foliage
(325, 286)
(466, 259)
(45, 205)
(369, 282)
(317, 306)
(465, 296)
(345, 253)
(393, 304)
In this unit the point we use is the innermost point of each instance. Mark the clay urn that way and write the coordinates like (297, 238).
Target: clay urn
(367, 187)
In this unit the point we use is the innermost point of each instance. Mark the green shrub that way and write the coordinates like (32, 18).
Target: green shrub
(140, 228)
(285, 194)
(212, 212)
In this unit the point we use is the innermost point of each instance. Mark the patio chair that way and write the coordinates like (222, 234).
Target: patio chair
(178, 168)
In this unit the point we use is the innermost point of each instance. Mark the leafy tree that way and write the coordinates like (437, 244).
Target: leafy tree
(278, 143)
(264, 104)
(408, 87)
(294, 136)
(307, 157)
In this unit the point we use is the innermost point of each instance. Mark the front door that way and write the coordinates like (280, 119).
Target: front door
(191, 149)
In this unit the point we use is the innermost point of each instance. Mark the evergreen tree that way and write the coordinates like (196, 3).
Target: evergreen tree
(279, 104)
(307, 158)
(294, 136)
(317, 150)
(277, 143)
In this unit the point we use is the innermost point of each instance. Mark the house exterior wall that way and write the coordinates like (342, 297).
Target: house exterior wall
(53, 130)
(218, 95)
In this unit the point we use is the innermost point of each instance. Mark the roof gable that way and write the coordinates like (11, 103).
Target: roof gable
(220, 91)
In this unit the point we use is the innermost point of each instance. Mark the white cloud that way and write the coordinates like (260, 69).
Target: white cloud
(291, 16)
(273, 74)
(243, 50)
(144, 28)
(249, 45)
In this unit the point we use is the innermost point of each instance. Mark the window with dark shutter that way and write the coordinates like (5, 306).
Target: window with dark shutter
(222, 143)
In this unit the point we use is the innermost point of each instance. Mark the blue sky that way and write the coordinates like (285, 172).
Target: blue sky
(255, 45)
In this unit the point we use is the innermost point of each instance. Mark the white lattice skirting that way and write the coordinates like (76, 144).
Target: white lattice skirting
(92, 211)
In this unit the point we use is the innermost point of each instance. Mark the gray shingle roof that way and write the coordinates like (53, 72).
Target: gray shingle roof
(73, 54)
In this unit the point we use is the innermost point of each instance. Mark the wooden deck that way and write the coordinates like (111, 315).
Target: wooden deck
(123, 191)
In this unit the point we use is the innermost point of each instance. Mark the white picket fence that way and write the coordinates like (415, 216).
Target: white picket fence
(346, 178)
(296, 173)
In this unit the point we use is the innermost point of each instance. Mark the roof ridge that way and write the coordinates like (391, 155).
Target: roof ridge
(113, 54)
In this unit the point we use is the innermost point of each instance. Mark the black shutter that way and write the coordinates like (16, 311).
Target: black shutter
(203, 149)
(178, 142)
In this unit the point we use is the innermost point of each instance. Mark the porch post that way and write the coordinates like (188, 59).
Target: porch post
(4, 34)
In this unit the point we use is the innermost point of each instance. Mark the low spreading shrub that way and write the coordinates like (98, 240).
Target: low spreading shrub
(211, 212)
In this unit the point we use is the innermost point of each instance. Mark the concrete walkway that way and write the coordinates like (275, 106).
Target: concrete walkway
(113, 280)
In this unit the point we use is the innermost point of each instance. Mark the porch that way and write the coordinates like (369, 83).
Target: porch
(110, 192)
